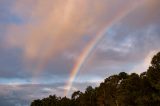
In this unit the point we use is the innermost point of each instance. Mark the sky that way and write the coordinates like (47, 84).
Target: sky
(59, 46)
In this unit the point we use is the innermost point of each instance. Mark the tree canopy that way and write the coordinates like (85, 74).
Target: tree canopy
(117, 90)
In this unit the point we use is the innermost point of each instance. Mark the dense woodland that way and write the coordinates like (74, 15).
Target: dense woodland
(117, 90)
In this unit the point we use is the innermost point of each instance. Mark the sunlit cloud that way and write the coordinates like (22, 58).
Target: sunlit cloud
(143, 66)
(45, 41)
(53, 26)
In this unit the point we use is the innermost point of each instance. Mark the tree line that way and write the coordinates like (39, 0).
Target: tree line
(117, 90)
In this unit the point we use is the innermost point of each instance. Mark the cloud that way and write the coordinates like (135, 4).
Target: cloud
(149, 10)
(54, 26)
(41, 40)
(123, 50)
(142, 67)
(23, 95)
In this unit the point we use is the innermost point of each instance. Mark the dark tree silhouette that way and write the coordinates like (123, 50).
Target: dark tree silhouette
(116, 90)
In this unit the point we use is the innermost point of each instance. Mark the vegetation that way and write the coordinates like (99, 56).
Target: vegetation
(116, 90)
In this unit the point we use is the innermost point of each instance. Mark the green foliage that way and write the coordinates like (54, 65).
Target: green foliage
(116, 90)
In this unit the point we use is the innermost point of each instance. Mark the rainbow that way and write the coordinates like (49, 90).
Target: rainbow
(90, 47)
(79, 63)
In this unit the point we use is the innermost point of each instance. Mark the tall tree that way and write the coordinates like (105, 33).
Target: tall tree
(116, 90)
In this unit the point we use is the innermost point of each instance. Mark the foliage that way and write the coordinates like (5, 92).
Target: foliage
(116, 90)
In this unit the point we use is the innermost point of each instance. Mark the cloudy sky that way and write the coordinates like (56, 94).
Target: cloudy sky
(58, 46)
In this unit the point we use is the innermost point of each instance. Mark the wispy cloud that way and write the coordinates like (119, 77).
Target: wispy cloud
(41, 40)
(53, 26)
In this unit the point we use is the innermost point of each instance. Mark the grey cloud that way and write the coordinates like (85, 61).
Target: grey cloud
(121, 49)
(125, 45)
(22, 95)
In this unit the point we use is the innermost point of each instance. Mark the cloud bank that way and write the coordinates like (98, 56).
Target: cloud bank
(40, 42)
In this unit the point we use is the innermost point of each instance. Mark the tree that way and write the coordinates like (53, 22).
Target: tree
(76, 98)
(36, 103)
(153, 72)
(116, 90)
(76, 95)
(89, 96)
(153, 75)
